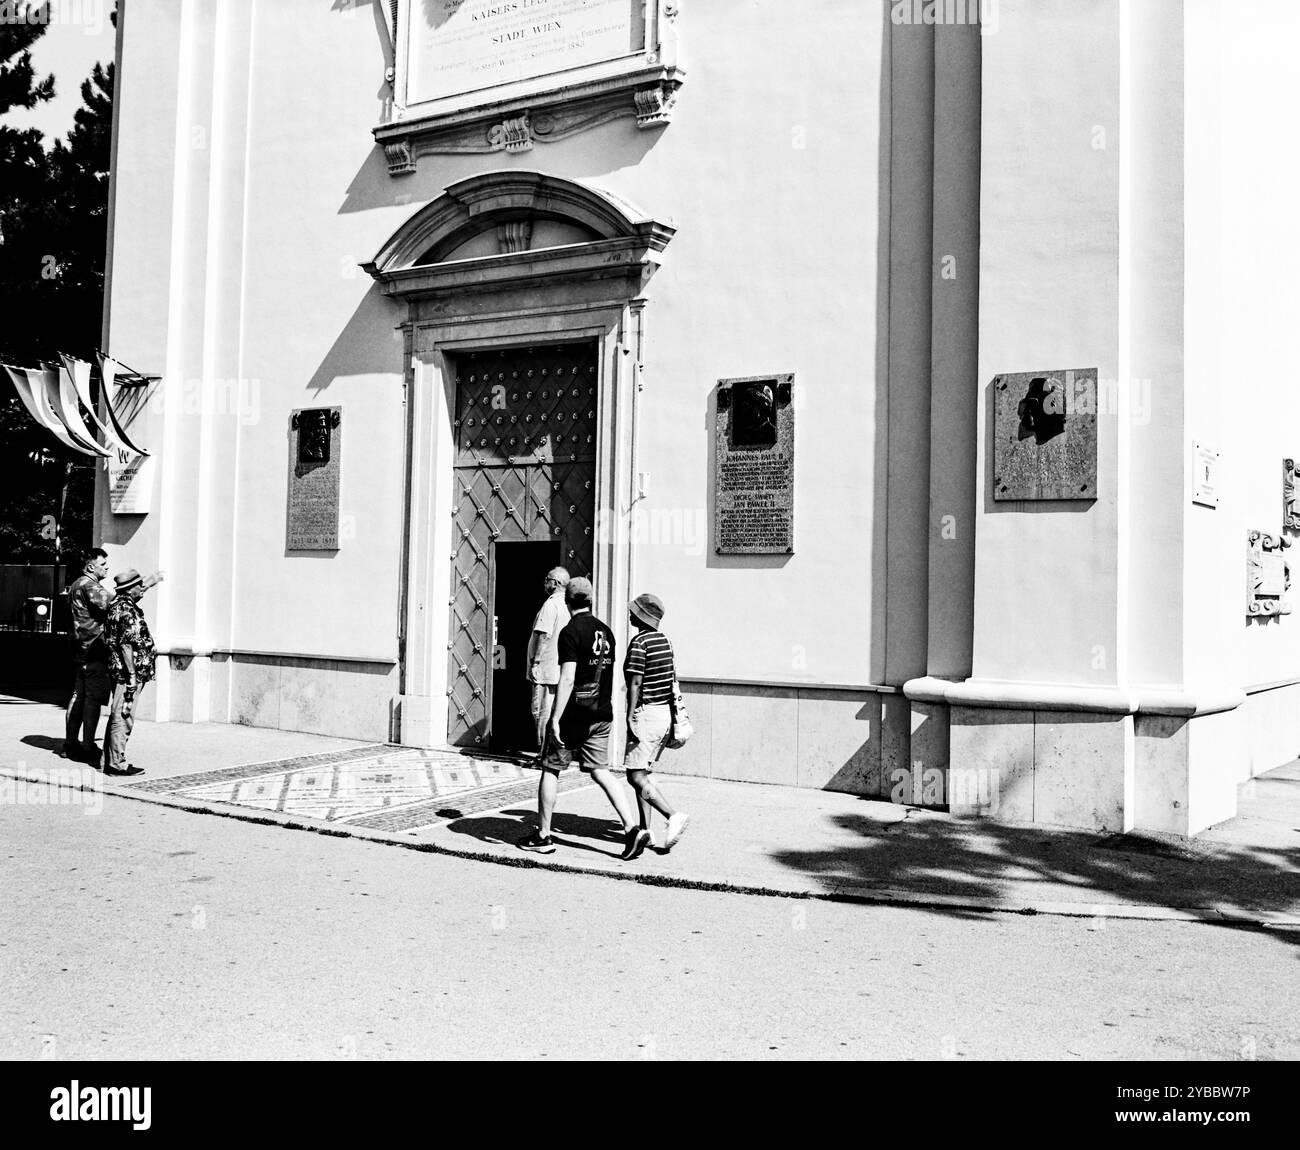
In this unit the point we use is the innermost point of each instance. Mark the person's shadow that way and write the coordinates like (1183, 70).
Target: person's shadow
(43, 743)
(567, 830)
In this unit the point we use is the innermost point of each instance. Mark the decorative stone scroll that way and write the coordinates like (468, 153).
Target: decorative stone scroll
(1045, 434)
(1290, 498)
(1268, 575)
(314, 480)
(753, 494)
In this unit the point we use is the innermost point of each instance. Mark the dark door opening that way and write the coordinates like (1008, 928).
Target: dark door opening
(517, 593)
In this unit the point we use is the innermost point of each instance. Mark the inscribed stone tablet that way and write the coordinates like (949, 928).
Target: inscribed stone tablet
(456, 47)
(316, 451)
(753, 497)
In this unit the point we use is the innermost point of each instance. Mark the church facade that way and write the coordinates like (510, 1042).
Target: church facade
(907, 351)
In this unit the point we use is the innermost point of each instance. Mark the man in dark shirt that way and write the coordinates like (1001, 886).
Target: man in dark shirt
(581, 721)
(89, 601)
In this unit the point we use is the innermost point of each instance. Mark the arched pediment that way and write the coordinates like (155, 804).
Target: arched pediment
(434, 248)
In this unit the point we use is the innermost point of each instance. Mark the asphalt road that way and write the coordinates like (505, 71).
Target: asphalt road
(149, 933)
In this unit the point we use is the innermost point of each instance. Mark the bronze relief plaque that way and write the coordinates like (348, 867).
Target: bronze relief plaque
(316, 452)
(753, 496)
(1045, 434)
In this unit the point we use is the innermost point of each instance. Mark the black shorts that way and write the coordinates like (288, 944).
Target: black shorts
(588, 748)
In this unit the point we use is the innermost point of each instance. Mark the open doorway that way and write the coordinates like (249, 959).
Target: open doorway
(517, 594)
(525, 500)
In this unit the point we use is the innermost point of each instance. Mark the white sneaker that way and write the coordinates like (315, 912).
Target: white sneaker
(676, 828)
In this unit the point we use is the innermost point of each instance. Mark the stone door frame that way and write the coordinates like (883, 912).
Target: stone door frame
(579, 291)
(617, 330)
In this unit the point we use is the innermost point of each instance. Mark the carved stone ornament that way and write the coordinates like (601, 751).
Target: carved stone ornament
(514, 135)
(398, 155)
(1268, 575)
(654, 106)
(1290, 498)
(514, 236)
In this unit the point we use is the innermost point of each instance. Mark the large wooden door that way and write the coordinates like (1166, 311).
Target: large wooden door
(525, 471)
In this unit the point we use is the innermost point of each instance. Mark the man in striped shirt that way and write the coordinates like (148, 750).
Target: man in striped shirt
(649, 669)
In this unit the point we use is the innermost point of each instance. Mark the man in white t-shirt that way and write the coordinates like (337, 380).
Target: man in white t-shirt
(543, 656)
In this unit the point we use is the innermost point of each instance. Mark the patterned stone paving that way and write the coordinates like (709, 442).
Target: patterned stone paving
(379, 787)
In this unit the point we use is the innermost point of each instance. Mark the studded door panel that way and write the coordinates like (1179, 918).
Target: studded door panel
(525, 427)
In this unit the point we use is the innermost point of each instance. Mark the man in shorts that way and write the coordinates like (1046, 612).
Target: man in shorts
(543, 652)
(581, 721)
(650, 672)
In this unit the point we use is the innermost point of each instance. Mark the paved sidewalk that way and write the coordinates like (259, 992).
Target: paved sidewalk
(746, 837)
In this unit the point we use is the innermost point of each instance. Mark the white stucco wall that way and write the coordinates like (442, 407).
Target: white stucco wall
(249, 188)
(1048, 573)
(1254, 411)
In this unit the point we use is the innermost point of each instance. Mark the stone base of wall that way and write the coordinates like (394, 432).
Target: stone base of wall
(345, 698)
(1272, 729)
(1098, 770)
(828, 739)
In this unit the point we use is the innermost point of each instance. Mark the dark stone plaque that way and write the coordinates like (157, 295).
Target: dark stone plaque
(314, 479)
(1045, 434)
(753, 497)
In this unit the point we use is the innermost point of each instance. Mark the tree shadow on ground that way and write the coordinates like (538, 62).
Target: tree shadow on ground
(979, 861)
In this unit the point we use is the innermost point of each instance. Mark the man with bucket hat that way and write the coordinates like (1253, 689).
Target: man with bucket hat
(131, 655)
(650, 672)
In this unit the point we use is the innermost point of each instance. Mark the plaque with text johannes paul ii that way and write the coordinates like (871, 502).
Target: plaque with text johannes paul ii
(753, 497)
(316, 446)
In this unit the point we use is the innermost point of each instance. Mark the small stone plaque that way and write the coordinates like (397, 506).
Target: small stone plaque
(753, 497)
(1045, 434)
(315, 456)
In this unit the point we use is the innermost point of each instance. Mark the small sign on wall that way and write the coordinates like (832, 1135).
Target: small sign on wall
(130, 483)
(1205, 479)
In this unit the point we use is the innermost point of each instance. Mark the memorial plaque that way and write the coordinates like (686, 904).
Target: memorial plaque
(460, 46)
(753, 496)
(1045, 434)
(1205, 485)
(315, 458)
(130, 483)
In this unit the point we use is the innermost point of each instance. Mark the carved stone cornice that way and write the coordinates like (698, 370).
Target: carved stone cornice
(646, 95)
(413, 264)
(627, 257)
